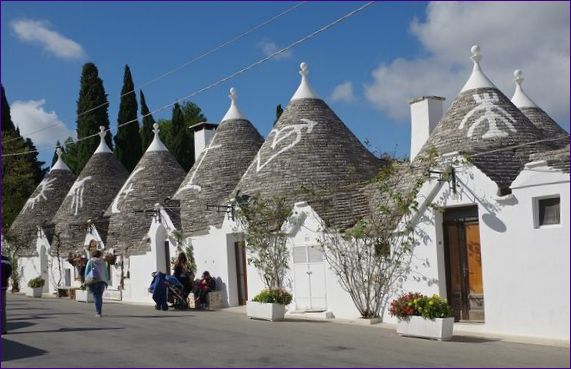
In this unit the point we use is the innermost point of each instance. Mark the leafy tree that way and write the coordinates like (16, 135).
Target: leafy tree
(372, 257)
(69, 155)
(279, 112)
(128, 140)
(261, 219)
(192, 113)
(179, 141)
(148, 121)
(92, 112)
(32, 157)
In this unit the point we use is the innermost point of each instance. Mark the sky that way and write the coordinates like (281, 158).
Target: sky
(366, 68)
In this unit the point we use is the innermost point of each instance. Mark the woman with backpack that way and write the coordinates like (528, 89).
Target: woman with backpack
(96, 277)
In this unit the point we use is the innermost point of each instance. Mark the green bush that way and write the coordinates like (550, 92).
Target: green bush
(37, 282)
(274, 296)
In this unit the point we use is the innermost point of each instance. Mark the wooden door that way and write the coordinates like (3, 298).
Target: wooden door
(464, 266)
(241, 272)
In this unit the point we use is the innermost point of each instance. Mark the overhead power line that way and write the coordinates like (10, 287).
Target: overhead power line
(235, 74)
(180, 67)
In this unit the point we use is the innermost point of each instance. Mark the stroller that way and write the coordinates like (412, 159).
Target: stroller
(167, 288)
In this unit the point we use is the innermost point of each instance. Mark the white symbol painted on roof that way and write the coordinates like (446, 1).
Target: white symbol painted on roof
(44, 186)
(190, 185)
(282, 134)
(491, 113)
(76, 192)
(125, 191)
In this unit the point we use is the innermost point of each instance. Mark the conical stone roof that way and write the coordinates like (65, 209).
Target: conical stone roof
(310, 150)
(537, 116)
(217, 170)
(482, 121)
(156, 177)
(42, 205)
(89, 196)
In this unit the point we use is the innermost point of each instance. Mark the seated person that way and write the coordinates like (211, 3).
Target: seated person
(183, 274)
(205, 285)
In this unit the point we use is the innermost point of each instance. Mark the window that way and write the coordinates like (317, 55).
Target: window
(548, 211)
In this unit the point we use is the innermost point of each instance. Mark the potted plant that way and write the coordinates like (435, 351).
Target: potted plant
(269, 304)
(36, 287)
(423, 316)
(262, 220)
(83, 294)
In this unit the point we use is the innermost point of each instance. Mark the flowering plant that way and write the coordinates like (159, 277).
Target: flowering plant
(274, 296)
(417, 304)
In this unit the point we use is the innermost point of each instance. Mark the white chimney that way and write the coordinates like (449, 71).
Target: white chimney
(203, 133)
(425, 113)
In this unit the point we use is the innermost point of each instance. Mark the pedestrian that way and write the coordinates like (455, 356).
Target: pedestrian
(96, 277)
(183, 273)
(6, 273)
(206, 284)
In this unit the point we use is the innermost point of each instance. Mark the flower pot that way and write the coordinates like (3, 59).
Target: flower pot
(34, 292)
(83, 296)
(417, 326)
(265, 311)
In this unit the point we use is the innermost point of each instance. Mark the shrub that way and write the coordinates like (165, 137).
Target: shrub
(417, 304)
(274, 296)
(37, 282)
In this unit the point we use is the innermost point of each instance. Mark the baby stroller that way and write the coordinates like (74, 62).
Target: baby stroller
(167, 288)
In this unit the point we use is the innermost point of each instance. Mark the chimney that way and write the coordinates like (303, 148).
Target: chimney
(425, 113)
(203, 133)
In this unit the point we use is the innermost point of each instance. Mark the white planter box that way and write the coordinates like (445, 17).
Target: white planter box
(417, 326)
(83, 296)
(259, 310)
(34, 292)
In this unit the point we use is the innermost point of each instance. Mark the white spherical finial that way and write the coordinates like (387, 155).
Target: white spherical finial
(102, 132)
(58, 152)
(518, 76)
(304, 69)
(156, 128)
(476, 56)
(233, 94)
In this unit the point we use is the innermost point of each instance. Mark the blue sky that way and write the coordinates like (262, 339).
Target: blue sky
(376, 60)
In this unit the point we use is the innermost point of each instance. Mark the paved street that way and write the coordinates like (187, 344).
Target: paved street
(52, 332)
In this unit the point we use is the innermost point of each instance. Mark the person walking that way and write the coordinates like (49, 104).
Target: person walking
(6, 273)
(96, 277)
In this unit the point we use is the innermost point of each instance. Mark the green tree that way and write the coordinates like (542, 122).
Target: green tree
(180, 144)
(69, 155)
(279, 112)
(20, 173)
(128, 140)
(7, 124)
(92, 107)
(148, 121)
(55, 157)
(192, 113)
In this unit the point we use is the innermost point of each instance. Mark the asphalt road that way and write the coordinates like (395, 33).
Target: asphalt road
(51, 332)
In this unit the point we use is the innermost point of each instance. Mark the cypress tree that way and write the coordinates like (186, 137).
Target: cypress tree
(19, 173)
(92, 111)
(178, 140)
(279, 111)
(128, 140)
(7, 124)
(148, 121)
(69, 154)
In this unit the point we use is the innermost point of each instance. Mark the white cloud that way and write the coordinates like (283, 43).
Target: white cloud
(38, 32)
(533, 37)
(269, 47)
(343, 92)
(45, 127)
